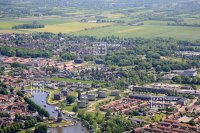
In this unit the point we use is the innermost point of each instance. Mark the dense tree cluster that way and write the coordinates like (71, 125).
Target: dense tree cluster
(23, 52)
(4, 114)
(41, 128)
(34, 107)
(186, 80)
(17, 65)
(109, 21)
(3, 92)
(116, 124)
(33, 25)
(68, 56)
(184, 24)
(91, 119)
(18, 124)
(12, 128)
(1, 70)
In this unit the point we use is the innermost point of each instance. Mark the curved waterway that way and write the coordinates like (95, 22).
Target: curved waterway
(40, 99)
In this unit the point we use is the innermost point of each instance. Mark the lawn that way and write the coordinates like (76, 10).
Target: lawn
(174, 59)
(50, 97)
(71, 80)
(198, 87)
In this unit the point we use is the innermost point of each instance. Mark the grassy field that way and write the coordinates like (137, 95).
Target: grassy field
(174, 59)
(148, 30)
(198, 87)
(55, 25)
(116, 15)
(69, 27)
(192, 21)
(71, 80)
(7, 25)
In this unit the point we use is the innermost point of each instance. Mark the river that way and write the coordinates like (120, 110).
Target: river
(40, 99)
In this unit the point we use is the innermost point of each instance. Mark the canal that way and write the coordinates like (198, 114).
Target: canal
(40, 99)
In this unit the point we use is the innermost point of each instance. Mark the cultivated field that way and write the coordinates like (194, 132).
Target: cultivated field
(53, 24)
(148, 30)
(71, 24)
(69, 27)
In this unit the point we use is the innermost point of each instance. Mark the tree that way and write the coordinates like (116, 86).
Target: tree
(6, 130)
(41, 128)
(68, 56)
(3, 92)
(70, 99)
(108, 113)
(19, 93)
(1, 131)
(32, 25)
(192, 123)
(16, 64)
(117, 124)
(108, 130)
(75, 108)
(134, 113)
(79, 95)
(34, 107)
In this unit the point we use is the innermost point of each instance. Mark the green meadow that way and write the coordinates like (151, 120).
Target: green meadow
(148, 30)
(72, 25)
(52, 24)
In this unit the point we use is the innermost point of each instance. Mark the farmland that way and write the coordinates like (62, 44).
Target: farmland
(69, 27)
(146, 31)
(112, 21)
(52, 24)
(150, 29)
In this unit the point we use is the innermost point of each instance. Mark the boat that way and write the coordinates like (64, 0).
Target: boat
(52, 111)
(45, 105)
(56, 108)
(71, 124)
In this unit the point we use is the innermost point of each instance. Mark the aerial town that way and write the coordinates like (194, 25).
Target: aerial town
(79, 83)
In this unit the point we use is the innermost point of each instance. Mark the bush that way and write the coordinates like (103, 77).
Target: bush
(41, 128)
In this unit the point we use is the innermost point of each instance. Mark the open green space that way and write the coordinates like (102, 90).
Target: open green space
(71, 80)
(146, 31)
(67, 20)
(69, 27)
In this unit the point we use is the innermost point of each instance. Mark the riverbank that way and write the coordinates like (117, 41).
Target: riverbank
(63, 123)
(69, 124)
